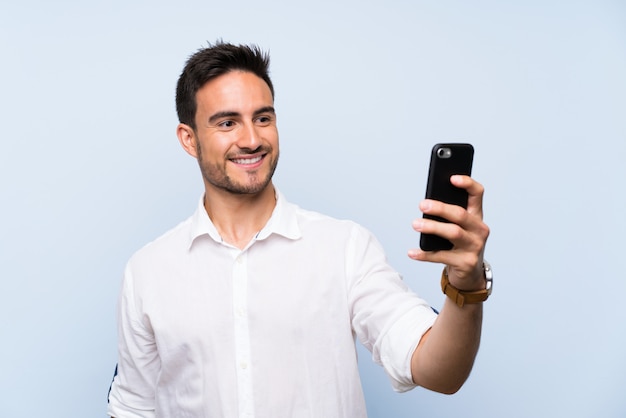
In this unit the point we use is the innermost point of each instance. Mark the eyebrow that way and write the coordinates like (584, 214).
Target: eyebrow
(230, 114)
(266, 109)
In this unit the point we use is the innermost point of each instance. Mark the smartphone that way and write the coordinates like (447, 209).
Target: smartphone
(445, 161)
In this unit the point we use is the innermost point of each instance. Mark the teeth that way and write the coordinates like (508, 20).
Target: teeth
(247, 160)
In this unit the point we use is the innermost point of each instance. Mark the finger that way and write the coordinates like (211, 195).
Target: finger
(453, 213)
(430, 256)
(475, 192)
(468, 234)
(461, 262)
(454, 233)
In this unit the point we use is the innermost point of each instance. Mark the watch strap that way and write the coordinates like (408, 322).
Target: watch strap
(462, 297)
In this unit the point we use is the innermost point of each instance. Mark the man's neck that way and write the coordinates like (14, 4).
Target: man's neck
(239, 217)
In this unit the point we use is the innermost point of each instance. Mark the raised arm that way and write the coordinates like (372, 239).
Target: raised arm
(445, 355)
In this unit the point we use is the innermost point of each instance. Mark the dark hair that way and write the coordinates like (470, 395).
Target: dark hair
(214, 61)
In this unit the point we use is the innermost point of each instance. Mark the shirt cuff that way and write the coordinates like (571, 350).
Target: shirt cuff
(399, 343)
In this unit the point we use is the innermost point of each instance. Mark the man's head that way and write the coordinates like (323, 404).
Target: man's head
(225, 103)
(211, 62)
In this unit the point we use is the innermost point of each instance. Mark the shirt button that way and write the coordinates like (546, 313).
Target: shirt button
(243, 365)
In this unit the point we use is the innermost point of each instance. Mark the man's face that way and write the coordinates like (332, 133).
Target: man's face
(236, 133)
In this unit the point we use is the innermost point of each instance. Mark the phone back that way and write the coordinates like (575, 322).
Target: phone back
(445, 161)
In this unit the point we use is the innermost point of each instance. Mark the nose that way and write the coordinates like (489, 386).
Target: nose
(250, 138)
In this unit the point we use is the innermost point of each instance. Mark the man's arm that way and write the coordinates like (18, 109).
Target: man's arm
(445, 355)
(133, 386)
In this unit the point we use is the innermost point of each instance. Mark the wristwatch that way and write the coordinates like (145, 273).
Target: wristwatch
(461, 297)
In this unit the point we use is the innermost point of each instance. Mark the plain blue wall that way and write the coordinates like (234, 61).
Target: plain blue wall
(90, 170)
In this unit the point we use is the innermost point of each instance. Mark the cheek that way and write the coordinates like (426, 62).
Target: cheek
(215, 147)
(272, 137)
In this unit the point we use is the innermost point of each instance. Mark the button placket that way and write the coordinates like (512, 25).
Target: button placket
(242, 335)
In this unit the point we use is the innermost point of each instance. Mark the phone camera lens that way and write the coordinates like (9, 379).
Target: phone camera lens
(444, 152)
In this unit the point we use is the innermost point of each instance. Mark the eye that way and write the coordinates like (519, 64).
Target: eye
(226, 124)
(264, 120)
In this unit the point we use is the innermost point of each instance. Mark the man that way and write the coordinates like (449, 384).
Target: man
(251, 306)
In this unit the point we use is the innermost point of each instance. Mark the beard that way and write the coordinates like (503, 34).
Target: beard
(215, 174)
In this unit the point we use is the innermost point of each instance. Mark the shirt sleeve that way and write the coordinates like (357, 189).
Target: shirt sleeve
(388, 318)
(133, 390)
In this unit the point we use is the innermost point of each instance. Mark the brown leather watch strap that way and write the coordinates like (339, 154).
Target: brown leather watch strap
(461, 297)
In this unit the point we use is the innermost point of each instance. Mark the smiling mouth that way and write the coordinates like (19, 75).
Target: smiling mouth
(247, 161)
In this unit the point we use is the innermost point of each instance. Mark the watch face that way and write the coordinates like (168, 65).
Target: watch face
(488, 276)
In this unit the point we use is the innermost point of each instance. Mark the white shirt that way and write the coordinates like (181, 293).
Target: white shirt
(208, 330)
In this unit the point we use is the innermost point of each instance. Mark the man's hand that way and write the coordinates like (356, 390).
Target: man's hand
(466, 230)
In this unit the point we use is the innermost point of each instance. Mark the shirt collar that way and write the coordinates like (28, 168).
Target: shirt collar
(284, 222)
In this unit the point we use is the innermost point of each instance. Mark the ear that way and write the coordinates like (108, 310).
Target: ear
(187, 138)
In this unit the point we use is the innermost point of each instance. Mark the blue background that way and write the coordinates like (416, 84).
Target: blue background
(91, 170)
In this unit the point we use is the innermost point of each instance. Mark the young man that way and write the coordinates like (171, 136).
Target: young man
(251, 307)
